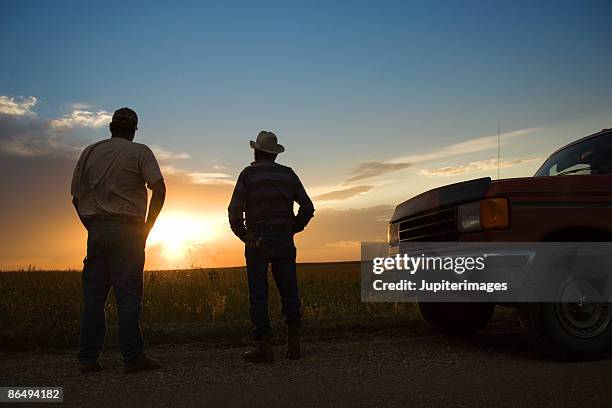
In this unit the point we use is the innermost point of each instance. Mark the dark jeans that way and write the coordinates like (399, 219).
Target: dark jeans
(115, 257)
(276, 248)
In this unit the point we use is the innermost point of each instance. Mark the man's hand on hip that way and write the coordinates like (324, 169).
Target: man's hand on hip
(156, 204)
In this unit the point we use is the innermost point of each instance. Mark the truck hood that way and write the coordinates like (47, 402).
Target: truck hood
(557, 186)
(451, 194)
(562, 187)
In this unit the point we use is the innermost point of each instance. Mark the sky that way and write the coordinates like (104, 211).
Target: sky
(375, 102)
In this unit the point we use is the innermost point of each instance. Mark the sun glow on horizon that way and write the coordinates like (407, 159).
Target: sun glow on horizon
(178, 232)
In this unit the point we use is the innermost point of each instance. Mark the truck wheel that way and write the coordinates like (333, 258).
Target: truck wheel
(572, 327)
(458, 318)
(568, 331)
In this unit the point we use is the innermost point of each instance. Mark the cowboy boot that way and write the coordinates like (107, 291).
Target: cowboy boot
(293, 343)
(90, 367)
(262, 353)
(144, 363)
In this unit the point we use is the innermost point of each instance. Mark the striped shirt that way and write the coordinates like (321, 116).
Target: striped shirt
(264, 195)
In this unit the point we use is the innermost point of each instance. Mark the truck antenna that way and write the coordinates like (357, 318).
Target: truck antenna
(498, 149)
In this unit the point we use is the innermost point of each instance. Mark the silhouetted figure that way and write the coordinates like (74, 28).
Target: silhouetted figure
(261, 215)
(109, 194)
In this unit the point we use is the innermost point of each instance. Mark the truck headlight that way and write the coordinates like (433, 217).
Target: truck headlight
(490, 213)
(393, 233)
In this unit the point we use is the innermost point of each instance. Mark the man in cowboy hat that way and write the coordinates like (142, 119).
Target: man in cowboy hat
(261, 215)
(109, 194)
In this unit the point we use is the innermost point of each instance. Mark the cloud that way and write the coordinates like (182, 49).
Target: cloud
(23, 134)
(81, 106)
(31, 136)
(473, 167)
(34, 137)
(27, 135)
(201, 178)
(210, 178)
(17, 106)
(170, 170)
(82, 118)
(343, 194)
(342, 244)
(372, 169)
(166, 155)
(469, 146)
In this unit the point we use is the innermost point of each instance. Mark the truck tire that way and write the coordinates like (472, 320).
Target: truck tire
(457, 318)
(568, 331)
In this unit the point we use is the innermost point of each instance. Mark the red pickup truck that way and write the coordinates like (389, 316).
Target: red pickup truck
(569, 199)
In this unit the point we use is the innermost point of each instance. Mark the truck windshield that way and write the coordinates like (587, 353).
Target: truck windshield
(593, 156)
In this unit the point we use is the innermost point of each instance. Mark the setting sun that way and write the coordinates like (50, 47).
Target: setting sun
(177, 233)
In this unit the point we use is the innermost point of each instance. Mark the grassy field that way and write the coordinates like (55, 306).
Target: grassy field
(40, 309)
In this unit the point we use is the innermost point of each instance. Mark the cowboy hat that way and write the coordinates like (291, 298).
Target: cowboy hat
(267, 142)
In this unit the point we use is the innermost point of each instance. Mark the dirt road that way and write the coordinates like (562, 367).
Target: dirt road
(493, 369)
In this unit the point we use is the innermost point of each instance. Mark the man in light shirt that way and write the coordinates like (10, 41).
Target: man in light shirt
(109, 194)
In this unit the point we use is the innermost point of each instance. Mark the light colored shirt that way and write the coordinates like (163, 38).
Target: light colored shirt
(110, 178)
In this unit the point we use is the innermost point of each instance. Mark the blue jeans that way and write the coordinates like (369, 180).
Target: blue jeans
(115, 257)
(276, 249)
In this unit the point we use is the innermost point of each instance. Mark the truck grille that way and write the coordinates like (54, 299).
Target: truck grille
(438, 226)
